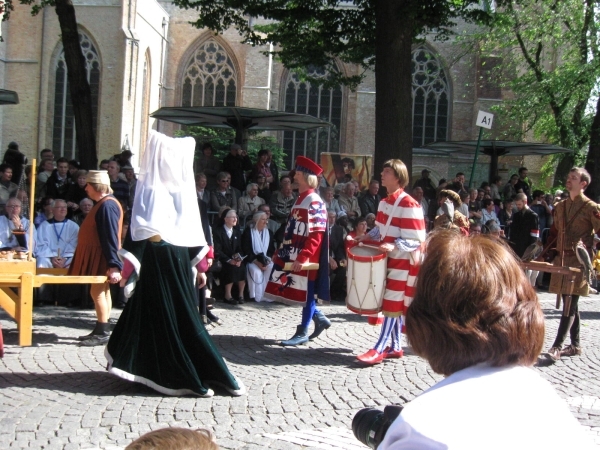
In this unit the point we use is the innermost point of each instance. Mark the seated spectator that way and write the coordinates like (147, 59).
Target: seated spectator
(119, 186)
(22, 195)
(76, 192)
(258, 244)
(509, 190)
(201, 190)
(272, 225)
(331, 203)
(474, 206)
(8, 189)
(370, 218)
(14, 228)
(104, 164)
(474, 229)
(85, 206)
(227, 241)
(541, 208)
(58, 183)
(505, 215)
(482, 330)
(492, 229)
(45, 170)
(369, 201)
(237, 163)
(249, 203)
(261, 167)
(209, 165)
(359, 233)
(282, 202)
(224, 194)
(46, 211)
(348, 202)
(74, 167)
(131, 181)
(487, 211)
(417, 194)
(56, 239)
(337, 259)
(264, 190)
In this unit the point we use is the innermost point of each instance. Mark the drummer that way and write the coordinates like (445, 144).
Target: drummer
(399, 231)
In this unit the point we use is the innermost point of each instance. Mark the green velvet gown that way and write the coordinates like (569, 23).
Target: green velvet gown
(160, 340)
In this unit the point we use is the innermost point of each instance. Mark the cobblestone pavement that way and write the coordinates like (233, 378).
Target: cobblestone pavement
(58, 395)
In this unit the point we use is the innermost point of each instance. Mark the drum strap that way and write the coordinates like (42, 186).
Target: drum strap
(391, 215)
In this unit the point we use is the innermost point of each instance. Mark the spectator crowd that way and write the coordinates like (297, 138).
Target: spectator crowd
(247, 204)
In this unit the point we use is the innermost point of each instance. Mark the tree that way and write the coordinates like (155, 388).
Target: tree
(81, 94)
(549, 52)
(369, 33)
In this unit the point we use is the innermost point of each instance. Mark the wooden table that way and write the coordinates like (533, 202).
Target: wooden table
(23, 276)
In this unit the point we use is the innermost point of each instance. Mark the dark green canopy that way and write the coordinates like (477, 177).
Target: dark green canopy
(238, 118)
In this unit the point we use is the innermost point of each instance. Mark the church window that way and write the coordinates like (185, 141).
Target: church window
(430, 96)
(63, 130)
(210, 77)
(302, 97)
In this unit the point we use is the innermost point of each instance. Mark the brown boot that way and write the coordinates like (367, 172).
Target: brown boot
(570, 350)
(554, 353)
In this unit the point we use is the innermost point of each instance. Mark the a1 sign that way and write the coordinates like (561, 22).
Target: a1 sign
(484, 120)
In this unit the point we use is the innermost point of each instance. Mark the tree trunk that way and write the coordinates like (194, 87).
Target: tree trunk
(592, 164)
(81, 94)
(393, 75)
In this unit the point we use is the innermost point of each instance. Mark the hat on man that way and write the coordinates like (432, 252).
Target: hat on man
(306, 165)
(98, 177)
(126, 167)
(424, 171)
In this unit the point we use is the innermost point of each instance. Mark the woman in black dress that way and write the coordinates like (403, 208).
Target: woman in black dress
(228, 249)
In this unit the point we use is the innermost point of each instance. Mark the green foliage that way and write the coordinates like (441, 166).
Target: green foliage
(317, 32)
(550, 64)
(222, 138)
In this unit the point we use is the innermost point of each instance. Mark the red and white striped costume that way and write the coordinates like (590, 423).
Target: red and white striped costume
(402, 266)
(304, 232)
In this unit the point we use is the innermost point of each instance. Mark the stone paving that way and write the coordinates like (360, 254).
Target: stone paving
(56, 395)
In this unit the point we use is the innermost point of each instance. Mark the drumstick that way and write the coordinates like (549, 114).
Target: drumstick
(360, 244)
(306, 266)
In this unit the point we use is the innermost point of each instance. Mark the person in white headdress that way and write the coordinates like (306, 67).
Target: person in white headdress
(160, 340)
(258, 244)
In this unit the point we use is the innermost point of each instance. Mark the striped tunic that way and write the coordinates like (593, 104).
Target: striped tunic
(402, 266)
(304, 233)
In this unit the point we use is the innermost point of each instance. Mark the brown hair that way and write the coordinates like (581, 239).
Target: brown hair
(473, 304)
(175, 439)
(584, 175)
(399, 169)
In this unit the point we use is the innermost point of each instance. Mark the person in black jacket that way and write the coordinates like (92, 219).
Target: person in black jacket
(258, 244)
(237, 163)
(337, 259)
(228, 248)
(59, 182)
(17, 160)
(207, 315)
(369, 201)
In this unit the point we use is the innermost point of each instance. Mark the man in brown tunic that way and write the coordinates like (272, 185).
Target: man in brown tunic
(575, 218)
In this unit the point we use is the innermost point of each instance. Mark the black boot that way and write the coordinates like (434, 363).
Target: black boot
(301, 337)
(99, 336)
(321, 324)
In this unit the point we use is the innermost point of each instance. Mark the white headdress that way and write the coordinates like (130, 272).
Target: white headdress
(165, 196)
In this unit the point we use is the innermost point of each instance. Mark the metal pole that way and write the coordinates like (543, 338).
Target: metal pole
(475, 158)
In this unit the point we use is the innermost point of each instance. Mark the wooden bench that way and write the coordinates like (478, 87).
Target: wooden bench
(24, 276)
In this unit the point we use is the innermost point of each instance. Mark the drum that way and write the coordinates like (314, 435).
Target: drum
(367, 270)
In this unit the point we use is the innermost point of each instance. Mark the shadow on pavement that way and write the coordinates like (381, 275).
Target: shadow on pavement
(256, 351)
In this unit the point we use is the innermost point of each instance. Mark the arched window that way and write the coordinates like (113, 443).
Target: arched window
(63, 132)
(430, 98)
(325, 103)
(210, 77)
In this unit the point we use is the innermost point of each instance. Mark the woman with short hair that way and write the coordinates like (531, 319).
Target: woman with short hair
(258, 245)
(227, 241)
(249, 203)
(483, 330)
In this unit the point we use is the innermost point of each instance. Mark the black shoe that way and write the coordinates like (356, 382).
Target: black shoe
(92, 334)
(252, 299)
(120, 305)
(240, 300)
(97, 339)
(231, 301)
